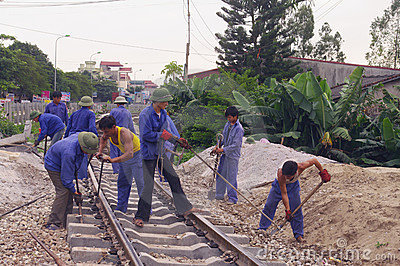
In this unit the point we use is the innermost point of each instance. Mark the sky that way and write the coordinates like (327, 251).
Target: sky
(147, 35)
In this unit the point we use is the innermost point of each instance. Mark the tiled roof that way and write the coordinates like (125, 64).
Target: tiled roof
(113, 64)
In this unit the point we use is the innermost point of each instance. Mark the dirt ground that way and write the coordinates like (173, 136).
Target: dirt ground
(354, 218)
(22, 181)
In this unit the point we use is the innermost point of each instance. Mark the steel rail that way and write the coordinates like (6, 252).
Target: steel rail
(213, 233)
(123, 239)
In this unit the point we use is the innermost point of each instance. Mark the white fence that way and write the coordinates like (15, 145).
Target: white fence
(19, 112)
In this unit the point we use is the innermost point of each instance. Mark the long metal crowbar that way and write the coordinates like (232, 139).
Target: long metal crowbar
(227, 182)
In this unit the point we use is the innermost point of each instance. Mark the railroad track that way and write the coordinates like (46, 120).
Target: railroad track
(105, 236)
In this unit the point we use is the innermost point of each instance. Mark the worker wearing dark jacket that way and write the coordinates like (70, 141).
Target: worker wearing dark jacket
(62, 161)
(50, 125)
(152, 125)
(82, 120)
(56, 107)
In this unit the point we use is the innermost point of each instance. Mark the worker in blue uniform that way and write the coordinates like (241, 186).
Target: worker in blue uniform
(286, 187)
(230, 150)
(82, 120)
(62, 161)
(50, 125)
(56, 107)
(152, 124)
(129, 145)
(123, 118)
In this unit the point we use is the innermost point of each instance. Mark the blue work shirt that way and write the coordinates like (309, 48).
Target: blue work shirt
(65, 157)
(49, 125)
(234, 145)
(81, 120)
(123, 118)
(59, 110)
(151, 126)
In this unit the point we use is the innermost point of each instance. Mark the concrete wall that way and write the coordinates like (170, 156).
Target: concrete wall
(335, 73)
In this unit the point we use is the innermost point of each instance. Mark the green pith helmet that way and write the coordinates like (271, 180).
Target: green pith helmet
(120, 100)
(89, 142)
(161, 95)
(34, 114)
(86, 101)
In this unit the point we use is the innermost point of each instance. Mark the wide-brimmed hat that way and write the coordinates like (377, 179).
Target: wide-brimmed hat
(34, 114)
(161, 95)
(86, 101)
(89, 142)
(120, 100)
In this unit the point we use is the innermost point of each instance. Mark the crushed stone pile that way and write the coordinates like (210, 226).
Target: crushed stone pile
(258, 163)
(354, 218)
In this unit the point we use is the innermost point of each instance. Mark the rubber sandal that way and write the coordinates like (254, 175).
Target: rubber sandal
(138, 222)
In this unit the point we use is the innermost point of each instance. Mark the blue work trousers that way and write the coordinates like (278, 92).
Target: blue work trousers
(274, 197)
(228, 168)
(128, 170)
(115, 152)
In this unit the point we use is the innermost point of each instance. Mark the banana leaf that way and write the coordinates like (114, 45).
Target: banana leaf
(241, 100)
(341, 132)
(392, 163)
(370, 162)
(388, 135)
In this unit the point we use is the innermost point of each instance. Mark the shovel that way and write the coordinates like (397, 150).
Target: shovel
(304, 201)
(211, 192)
(45, 146)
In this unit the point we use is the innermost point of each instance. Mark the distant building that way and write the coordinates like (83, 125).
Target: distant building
(89, 66)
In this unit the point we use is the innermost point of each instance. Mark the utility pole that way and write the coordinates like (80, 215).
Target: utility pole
(186, 69)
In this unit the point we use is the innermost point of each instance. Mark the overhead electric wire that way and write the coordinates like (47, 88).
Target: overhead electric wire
(322, 6)
(328, 11)
(204, 20)
(194, 23)
(103, 42)
(55, 4)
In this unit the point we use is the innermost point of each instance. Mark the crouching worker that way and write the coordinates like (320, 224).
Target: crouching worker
(129, 166)
(287, 189)
(153, 123)
(62, 162)
(50, 125)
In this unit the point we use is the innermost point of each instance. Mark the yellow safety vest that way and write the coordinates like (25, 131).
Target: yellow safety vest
(136, 142)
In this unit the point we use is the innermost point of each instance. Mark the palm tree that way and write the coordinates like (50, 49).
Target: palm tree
(172, 70)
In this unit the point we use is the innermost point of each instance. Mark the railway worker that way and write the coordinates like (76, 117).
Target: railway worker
(228, 167)
(50, 125)
(123, 118)
(129, 166)
(56, 107)
(287, 188)
(62, 161)
(82, 120)
(152, 124)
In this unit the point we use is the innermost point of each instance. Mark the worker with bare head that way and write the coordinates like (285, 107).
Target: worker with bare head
(287, 188)
(129, 167)
(58, 108)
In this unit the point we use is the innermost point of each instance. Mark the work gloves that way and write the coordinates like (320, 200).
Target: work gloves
(184, 143)
(325, 176)
(166, 135)
(78, 198)
(288, 215)
(169, 137)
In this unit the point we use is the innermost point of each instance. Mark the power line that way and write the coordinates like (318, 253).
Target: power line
(328, 11)
(204, 21)
(55, 4)
(322, 6)
(103, 42)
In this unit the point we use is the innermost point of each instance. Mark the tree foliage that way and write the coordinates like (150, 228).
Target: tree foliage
(256, 38)
(172, 70)
(384, 31)
(329, 47)
(301, 26)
